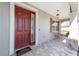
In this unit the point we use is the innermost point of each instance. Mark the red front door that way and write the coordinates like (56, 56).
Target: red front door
(22, 27)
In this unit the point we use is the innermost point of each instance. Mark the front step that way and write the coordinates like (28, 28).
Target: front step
(22, 51)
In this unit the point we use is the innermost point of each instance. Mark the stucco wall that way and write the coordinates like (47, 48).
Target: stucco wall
(44, 33)
(4, 28)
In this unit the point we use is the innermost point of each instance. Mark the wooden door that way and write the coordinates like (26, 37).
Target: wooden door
(22, 27)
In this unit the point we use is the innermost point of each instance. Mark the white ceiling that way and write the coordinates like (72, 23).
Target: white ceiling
(51, 7)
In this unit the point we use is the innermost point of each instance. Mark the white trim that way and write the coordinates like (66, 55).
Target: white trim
(11, 50)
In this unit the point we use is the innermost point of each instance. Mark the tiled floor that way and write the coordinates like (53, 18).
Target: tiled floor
(51, 48)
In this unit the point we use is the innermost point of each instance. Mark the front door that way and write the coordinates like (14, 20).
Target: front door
(22, 27)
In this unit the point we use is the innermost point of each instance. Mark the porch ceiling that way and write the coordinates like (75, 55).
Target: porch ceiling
(51, 7)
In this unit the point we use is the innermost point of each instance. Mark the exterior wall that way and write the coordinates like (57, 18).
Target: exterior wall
(43, 22)
(44, 33)
(4, 28)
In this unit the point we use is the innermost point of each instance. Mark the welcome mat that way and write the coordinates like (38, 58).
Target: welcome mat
(22, 51)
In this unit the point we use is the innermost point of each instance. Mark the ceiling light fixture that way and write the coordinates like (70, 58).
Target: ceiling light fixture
(57, 13)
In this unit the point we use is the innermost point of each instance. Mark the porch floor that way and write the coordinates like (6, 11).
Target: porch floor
(51, 48)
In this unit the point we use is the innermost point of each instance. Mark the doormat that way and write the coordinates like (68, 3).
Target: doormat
(22, 51)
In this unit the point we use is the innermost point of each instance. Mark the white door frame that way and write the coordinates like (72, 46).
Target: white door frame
(12, 23)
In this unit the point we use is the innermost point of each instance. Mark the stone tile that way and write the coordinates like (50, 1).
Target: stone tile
(51, 48)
